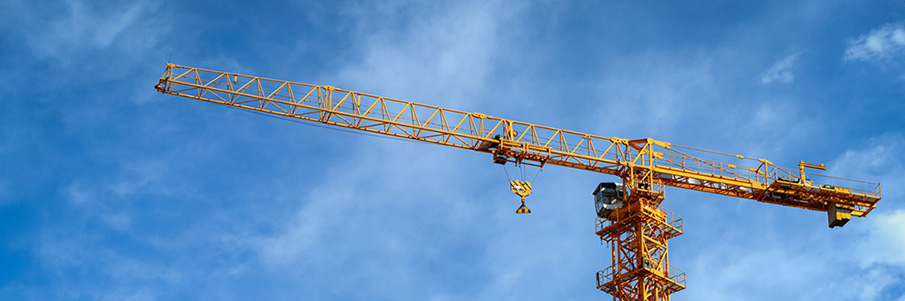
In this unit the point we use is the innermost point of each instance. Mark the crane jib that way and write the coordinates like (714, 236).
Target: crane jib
(629, 216)
(521, 142)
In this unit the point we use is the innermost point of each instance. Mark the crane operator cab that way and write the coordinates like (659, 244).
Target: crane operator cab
(607, 197)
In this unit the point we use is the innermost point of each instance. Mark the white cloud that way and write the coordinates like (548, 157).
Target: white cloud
(398, 212)
(446, 57)
(775, 259)
(378, 212)
(874, 281)
(820, 259)
(886, 241)
(394, 211)
(108, 198)
(882, 160)
(779, 120)
(782, 70)
(752, 273)
(124, 278)
(75, 29)
(880, 246)
(111, 40)
(879, 44)
(652, 92)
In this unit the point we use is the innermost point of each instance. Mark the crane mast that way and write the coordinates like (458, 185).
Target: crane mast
(629, 216)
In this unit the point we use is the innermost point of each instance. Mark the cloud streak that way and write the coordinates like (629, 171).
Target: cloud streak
(879, 44)
(452, 66)
(83, 27)
(782, 71)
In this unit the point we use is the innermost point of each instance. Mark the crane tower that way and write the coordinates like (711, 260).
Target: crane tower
(629, 216)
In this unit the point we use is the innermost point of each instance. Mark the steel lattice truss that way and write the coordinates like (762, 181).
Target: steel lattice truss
(672, 165)
(637, 232)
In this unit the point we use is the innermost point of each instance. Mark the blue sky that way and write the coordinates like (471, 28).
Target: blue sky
(110, 190)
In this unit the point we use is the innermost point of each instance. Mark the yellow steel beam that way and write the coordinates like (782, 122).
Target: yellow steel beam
(644, 159)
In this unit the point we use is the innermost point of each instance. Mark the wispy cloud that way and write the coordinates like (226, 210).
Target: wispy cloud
(878, 44)
(660, 87)
(67, 249)
(869, 249)
(410, 60)
(82, 26)
(886, 242)
(782, 70)
(881, 160)
(881, 245)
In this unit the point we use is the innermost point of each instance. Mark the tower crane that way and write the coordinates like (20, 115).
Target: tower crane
(629, 216)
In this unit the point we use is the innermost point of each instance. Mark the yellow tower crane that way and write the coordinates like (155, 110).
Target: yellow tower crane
(629, 216)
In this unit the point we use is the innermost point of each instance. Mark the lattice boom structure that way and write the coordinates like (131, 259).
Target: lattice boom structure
(637, 232)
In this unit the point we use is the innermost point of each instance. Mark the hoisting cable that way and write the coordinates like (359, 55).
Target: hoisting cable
(539, 169)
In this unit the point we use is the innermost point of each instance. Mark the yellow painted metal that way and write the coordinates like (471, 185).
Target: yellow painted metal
(522, 189)
(637, 232)
(802, 166)
(521, 142)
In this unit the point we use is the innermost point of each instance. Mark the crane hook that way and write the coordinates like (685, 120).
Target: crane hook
(522, 189)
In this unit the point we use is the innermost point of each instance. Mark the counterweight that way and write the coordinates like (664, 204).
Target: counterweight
(637, 231)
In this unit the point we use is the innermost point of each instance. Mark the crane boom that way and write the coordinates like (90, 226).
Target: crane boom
(526, 143)
(629, 217)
